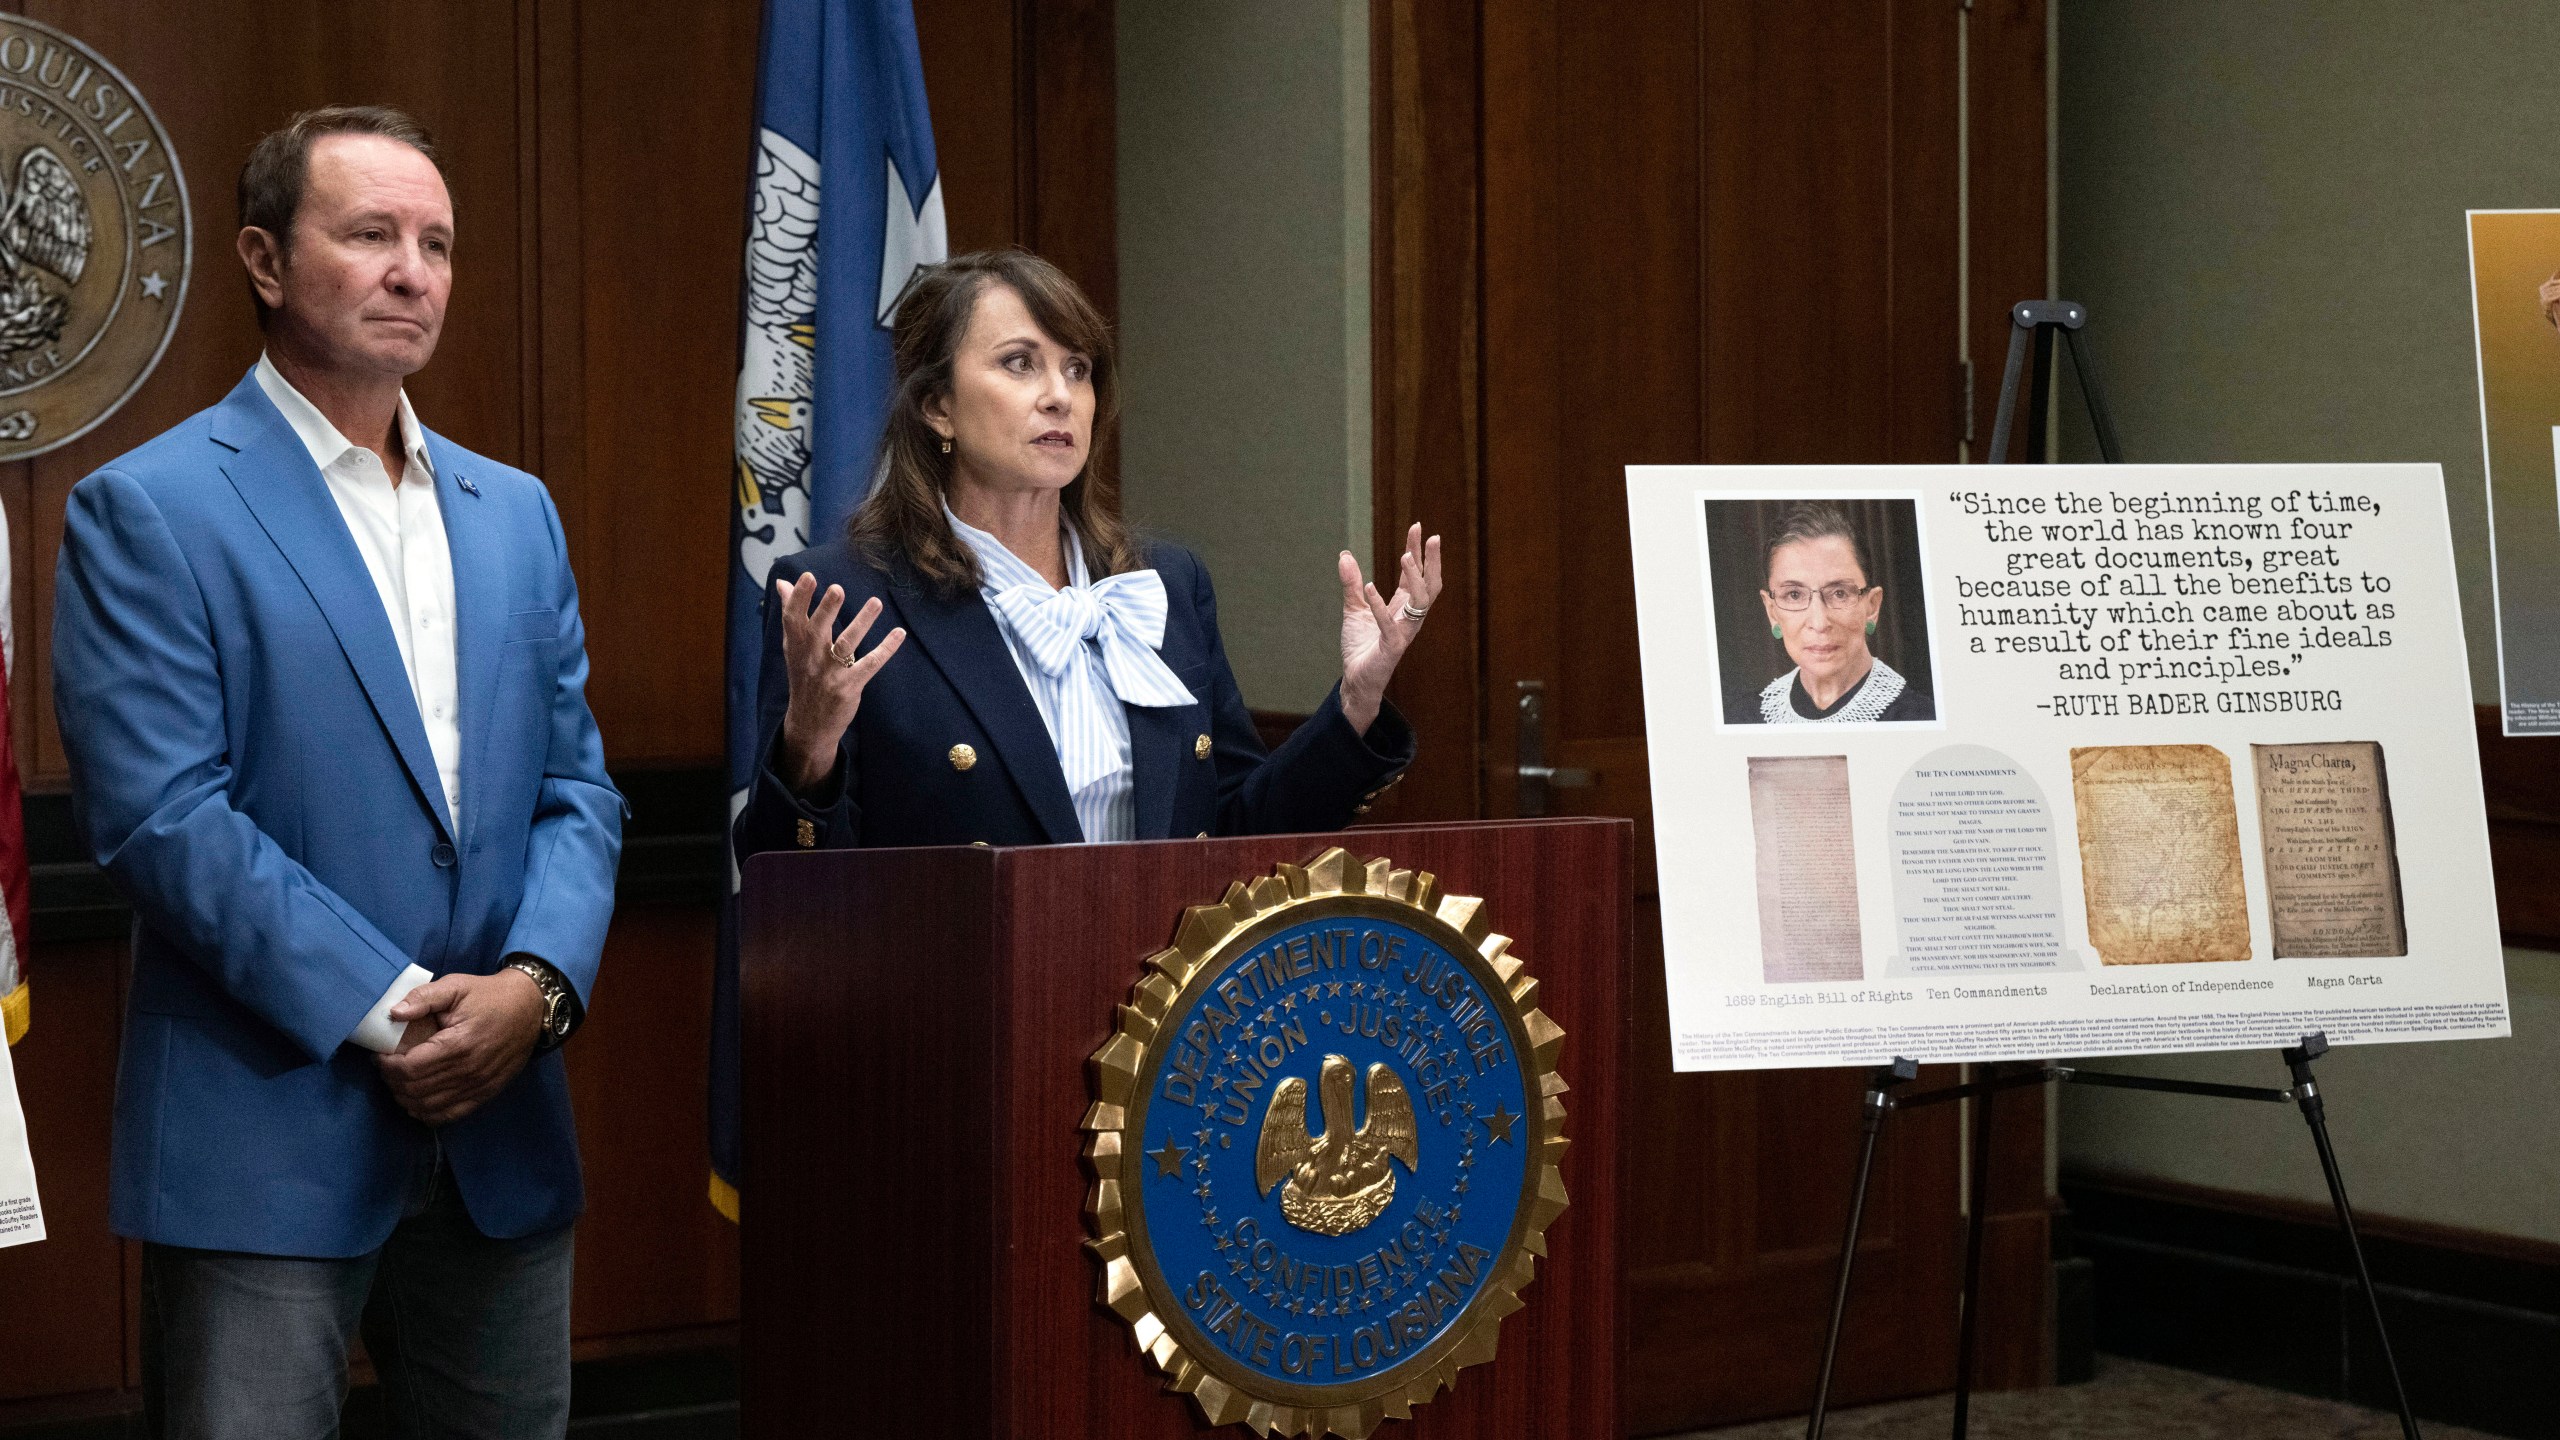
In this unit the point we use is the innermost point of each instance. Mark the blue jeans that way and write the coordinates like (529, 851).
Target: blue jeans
(469, 1335)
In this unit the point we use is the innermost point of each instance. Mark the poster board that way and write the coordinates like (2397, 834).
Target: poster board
(2177, 758)
(21, 1215)
(2515, 325)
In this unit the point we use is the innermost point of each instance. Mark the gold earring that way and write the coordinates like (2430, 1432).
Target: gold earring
(946, 446)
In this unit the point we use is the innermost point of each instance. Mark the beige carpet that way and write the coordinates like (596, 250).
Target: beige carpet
(2128, 1401)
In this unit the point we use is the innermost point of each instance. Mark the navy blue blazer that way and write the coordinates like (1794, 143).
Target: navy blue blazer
(1200, 768)
(250, 769)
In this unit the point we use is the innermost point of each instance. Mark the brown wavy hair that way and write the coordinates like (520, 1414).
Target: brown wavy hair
(902, 516)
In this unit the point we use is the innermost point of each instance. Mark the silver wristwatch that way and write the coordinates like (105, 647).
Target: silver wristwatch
(559, 1007)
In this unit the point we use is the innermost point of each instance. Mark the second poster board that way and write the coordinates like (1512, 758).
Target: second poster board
(2515, 315)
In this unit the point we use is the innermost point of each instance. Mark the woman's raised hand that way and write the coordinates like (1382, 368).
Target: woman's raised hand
(826, 675)
(1376, 629)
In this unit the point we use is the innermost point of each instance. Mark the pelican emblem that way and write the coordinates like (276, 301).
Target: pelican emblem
(1340, 1180)
(777, 358)
(44, 222)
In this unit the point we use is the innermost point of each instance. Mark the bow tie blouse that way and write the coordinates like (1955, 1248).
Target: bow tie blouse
(1084, 652)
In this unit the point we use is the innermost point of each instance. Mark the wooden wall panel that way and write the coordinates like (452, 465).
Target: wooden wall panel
(652, 1255)
(973, 66)
(1066, 161)
(1427, 145)
(659, 226)
(2006, 243)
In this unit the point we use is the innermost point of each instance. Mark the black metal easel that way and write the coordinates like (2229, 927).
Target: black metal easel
(2043, 318)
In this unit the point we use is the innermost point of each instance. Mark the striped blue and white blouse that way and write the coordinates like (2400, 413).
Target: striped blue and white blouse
(1084, 652)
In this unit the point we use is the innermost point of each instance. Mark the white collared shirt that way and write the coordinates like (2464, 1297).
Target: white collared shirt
(1083, 714)
(399, 530)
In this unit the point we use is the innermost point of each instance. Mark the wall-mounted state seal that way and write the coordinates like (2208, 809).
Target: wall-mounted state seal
(1324, 1146)
(96, 239)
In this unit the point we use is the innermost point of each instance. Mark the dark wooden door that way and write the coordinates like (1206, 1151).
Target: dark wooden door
(1717, 231)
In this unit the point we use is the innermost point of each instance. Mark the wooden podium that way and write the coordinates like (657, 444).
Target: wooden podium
(916, 1029)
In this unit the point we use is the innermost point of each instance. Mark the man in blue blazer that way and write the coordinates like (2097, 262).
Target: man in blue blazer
(321, 678)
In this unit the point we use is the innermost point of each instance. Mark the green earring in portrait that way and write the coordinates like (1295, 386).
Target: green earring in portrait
(1774, 632)
(1871, 629)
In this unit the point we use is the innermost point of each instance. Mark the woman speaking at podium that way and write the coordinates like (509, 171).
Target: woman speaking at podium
(1068, 682)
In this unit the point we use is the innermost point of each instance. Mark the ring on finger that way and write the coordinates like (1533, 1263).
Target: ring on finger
(1413, 611)
(841, 658)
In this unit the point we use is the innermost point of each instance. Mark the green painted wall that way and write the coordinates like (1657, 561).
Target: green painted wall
(1244, 313)
(2262, 204)
(2456, 1134)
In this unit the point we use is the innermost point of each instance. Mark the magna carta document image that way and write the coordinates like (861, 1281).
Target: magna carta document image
(2333, 873)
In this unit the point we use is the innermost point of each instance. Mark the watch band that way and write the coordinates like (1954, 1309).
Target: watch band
(559, 1007)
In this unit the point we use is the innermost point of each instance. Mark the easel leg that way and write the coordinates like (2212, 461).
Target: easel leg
(2040, 396)
(1968, 1314)
(1879, 1101)
(2004, 414)
(2306, 1092)
(2087, 366)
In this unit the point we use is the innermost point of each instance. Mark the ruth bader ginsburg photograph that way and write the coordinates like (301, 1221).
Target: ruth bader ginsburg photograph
(1821, 616)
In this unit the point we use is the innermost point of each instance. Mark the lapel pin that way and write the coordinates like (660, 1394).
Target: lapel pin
(467, 487)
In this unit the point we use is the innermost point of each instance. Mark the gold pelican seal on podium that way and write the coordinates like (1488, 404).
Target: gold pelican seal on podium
(1207, 1184)
(1342, 1179)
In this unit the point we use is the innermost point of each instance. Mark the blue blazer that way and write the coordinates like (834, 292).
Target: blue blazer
(1200, 769)
(249, 767)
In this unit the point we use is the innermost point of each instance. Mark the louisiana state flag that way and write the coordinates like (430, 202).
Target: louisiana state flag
(845, 203)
